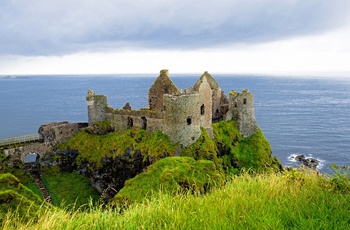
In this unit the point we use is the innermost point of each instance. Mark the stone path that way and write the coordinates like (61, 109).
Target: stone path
(39, 183)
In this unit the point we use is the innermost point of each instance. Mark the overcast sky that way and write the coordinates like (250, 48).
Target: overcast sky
(144, 36)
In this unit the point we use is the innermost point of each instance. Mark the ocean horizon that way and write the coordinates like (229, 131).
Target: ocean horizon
(298, 115)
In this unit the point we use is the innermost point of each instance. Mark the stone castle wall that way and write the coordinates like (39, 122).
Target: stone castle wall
(146, 119)
(182, 118)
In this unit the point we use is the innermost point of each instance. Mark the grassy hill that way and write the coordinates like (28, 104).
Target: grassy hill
(292, 200)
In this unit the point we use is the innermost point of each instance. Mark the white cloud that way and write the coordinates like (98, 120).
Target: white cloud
(105, 36)
(327, 53)
(51, 27)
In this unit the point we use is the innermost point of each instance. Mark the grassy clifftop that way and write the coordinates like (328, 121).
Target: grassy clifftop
(292, 200)
(93, 148)
(171, 175)
(228, 149)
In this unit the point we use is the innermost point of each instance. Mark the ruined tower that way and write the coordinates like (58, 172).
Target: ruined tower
(241, 108)
(96, 107)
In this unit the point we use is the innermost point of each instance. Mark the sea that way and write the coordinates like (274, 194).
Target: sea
(307, 116)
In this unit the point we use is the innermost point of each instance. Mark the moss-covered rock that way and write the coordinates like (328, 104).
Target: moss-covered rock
(171, 175)
(94, 148)
(110, 159)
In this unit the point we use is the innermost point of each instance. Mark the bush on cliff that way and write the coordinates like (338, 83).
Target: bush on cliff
(171, 175)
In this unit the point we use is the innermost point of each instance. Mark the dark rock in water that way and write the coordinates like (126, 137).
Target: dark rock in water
(308, 162)
(299, 158)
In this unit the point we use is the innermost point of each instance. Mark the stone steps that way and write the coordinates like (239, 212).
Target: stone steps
(39, 183)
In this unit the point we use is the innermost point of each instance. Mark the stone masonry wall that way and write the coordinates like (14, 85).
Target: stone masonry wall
(121, 120)
(182, 118)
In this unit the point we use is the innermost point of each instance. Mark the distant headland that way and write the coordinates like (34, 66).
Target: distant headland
(13, 77)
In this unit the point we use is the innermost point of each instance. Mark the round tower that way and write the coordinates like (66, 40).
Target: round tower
(182, 118)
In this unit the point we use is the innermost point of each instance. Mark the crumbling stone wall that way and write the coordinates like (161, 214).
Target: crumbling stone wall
(59, 132)
(52, 134)
(146, 119)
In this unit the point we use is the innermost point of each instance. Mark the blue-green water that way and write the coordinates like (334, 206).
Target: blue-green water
(297, 115)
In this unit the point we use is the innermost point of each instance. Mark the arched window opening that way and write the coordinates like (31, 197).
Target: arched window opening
(189, 120)
(130, 123)
(144, 123)
(244, 101)
(202, 110)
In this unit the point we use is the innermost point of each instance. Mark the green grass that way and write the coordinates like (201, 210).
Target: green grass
(93, 148)
(204, 148)
(34, 188)
(171, 175)
(69, 190)
(294, 200)
(253, 153)
(15, 197)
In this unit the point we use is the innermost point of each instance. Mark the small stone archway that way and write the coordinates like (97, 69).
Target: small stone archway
(30, 157)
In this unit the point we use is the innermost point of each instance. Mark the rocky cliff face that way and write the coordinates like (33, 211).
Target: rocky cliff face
(107, 179)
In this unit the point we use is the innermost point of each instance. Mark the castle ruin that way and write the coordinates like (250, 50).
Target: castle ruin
(179, 114)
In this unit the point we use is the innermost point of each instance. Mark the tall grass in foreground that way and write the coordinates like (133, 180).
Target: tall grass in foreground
(289, 201)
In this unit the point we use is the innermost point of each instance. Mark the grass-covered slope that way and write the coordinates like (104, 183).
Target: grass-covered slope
(70, 190)
(93, 148)
(16, 197)
(293, 200)
(237, 153)
(171, 175)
